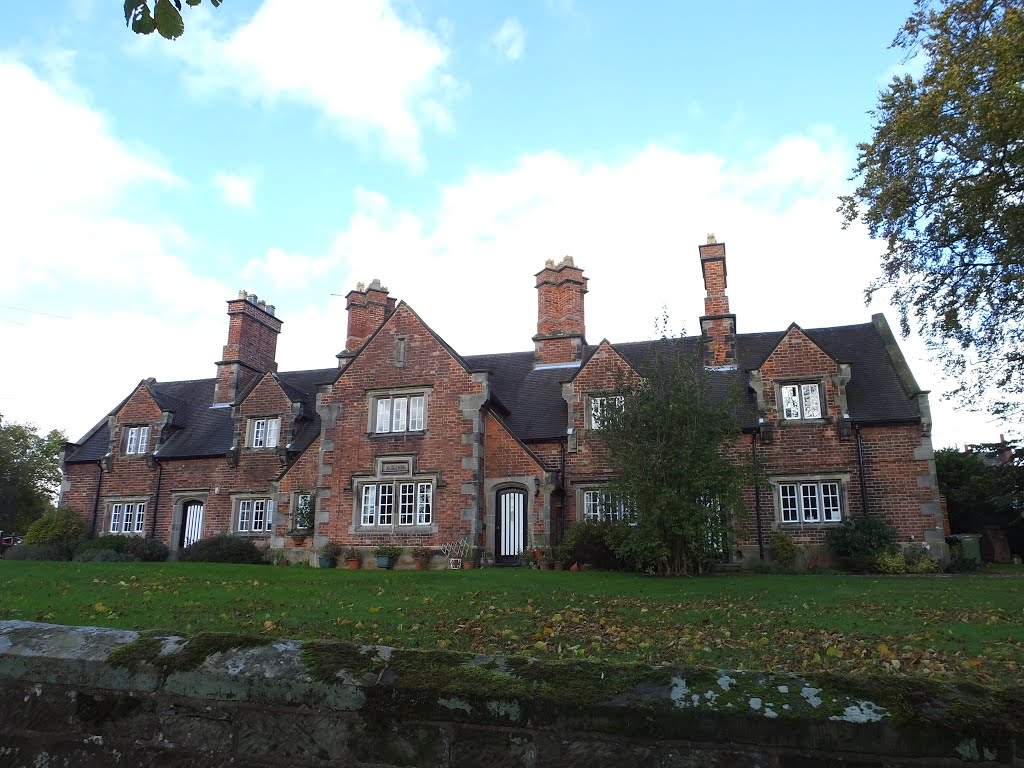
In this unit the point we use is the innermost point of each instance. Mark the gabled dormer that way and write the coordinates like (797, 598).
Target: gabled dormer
(267, 416)
(133, 427)
(594, 389)
(800, 383)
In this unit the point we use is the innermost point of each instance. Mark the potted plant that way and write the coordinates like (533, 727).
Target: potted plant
(327, 555)
(557, 558)
(487, 561)
(421, 557)
(353, 559)
(387, 555)
(543, 563)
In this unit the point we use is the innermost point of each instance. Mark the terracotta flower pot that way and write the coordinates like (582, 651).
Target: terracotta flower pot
(468, 565)
(559, 566)
(574, 567)
(352, 565)
(418, 565)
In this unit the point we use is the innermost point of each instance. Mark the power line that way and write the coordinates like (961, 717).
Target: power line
(35, 312)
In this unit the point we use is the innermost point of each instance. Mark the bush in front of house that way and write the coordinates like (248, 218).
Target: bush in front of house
(868, 536)
(592, 543)
(52, 550)
(104, 556)
(61, 524)
(223, 549)
(890, 562)
(146, 550)
(784, 550)
(919, 560)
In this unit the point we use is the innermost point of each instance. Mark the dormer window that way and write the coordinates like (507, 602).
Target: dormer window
(264, 433)
(136, 440)
(800, 401)
(399, 413)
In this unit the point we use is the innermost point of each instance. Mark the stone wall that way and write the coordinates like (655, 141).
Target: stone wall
(82, 696)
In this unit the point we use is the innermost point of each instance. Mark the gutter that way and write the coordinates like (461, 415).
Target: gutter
(860, 466)
(156, 496)
(96, 500)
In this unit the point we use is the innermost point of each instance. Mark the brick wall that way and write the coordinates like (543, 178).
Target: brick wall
(449, 449)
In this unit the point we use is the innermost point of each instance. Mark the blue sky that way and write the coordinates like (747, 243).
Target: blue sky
(448, 148)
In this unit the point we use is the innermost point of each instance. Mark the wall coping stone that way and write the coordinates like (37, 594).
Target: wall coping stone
(547, 705)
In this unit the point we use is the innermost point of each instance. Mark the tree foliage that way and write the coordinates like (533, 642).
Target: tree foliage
(673, 446)
(983, 487)
(29, 473)
(942, 183)
(164, 16)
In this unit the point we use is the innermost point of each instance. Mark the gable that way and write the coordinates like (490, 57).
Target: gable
(504, 454)
(140, 407)
(797, 356)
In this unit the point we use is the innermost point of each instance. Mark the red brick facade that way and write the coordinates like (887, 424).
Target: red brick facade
(407, 442)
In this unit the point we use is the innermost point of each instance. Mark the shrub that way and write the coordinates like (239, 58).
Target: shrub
(61, 524)
(104, 556)
(388, 550)
(591, 543)
(147, 550)
(957, 563)
(890, 562)
(918, 559)
(330, 550)
(869, 536)
(784, 550)
(52, 550)
(223, 549)
(423, 554)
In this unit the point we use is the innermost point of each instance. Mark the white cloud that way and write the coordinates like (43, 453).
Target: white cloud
(71, 250)
(510, 39)
(235, 189)
(377, 77)
(634, 226)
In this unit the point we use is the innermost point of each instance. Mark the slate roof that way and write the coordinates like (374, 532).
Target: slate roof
(533, 396)
(205, 430)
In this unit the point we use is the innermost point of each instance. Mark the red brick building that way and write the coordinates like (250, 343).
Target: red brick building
(406, 441)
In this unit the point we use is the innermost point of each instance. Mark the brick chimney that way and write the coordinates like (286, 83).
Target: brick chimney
(560, 328)
(368, 308)
(252, 346)
(717, 325)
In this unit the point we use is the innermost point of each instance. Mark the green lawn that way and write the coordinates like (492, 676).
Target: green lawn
(948, 628)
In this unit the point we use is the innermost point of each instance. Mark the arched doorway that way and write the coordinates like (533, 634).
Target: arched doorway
(509, 526)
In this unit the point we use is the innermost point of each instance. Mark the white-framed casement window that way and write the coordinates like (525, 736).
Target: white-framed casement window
(399, 413)
(800, 401)
(128, 518)
(302, 516)
(602, 404)
(396, 504)
(602, 505)
(136, 440)
(811, 502)
(264, 433)
(254, 516)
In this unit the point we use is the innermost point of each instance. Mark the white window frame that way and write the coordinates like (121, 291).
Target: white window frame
(600, 505)
(819, 501)
(265, 432)
(598, 405)
(127, 518)
(137, 440)
(398, 413)
(390, 504)
(800, 400)
(298, 508)
(251, 508)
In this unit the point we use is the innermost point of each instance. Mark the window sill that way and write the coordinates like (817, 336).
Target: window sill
(807, 524)
(401, 530)
(803, 422)
(385, 435)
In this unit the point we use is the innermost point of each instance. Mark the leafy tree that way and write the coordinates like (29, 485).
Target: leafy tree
(942, 183)
(984, 487)
(163, 16)
(673, 445)
(29, 473)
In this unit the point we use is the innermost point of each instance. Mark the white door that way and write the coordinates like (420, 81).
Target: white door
(192, 524)
(510, 530)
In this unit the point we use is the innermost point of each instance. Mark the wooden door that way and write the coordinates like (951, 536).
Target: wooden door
(509, 526)
(191, 523)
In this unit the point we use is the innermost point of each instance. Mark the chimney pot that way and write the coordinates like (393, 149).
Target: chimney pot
(251, 349)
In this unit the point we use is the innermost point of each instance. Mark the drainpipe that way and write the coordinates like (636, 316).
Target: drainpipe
(860, 465)
(757, 495)
(156, 497)
(96, 501)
